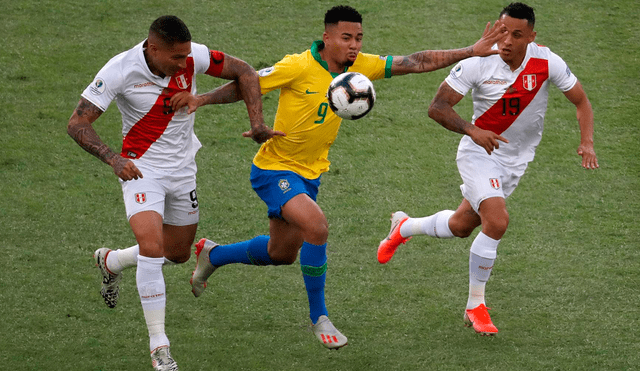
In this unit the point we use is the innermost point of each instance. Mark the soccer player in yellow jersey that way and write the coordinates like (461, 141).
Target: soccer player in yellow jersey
(286, 170)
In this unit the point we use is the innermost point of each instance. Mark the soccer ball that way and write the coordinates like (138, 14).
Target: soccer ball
(351, 95)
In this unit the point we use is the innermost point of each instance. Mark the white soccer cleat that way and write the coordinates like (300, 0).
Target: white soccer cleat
(328, 334)
(110, 281)
(161, 359)
(204, 268)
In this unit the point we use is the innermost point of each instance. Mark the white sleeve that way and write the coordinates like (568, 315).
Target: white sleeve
(201, 58)
(105, 86)
(560, 74)
(462, 76)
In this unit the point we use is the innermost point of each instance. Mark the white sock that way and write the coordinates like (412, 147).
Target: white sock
(118, 260)
(151, 288)
(436, 225)
(481, 258)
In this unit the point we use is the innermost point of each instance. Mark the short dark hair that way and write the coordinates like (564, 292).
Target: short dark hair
(520, 11)
(342, 13)
(170, 29)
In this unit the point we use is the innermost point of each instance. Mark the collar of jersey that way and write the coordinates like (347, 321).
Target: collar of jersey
(315, 52)
(527, 56)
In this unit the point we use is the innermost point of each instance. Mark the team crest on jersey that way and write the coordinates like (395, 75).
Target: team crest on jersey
(98, 87)
(284, 185)
(182, 82)
(265, 71)
(495, 183)
(529, 82)
(456, 71)
(141, 198)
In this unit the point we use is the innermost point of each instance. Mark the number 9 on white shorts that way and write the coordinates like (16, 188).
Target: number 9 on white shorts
(172, 196)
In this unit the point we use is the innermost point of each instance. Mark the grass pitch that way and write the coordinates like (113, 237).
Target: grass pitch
(564, 290)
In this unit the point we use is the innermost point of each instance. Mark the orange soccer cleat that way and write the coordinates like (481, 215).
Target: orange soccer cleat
(389, 245)
(479, 319)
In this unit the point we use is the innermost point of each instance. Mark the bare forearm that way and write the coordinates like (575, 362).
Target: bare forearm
(585, 120)
(249, 86)
(446, 116)
(429, 60)
(81, 130)
(88, 139)
(227, 93)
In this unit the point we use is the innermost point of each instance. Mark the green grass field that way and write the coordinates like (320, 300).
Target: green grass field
(564, 290)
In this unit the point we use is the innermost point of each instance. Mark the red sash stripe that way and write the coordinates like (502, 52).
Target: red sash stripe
(507, 109)
(151, 127)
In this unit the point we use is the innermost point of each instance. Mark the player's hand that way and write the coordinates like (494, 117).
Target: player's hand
(184, 98)
(490, 36)
(262, 133)
(125, 169)
(487, 139)
(589, 159)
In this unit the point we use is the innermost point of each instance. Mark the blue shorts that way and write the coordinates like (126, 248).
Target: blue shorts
(276, 188)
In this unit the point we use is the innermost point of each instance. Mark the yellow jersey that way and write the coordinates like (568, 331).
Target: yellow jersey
(303, 110)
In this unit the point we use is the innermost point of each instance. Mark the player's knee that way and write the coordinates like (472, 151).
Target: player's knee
(317, 234)
(179, 259)
(462, 232)
(284, 254)
(280, 258)
(460, 227)
(497, 225)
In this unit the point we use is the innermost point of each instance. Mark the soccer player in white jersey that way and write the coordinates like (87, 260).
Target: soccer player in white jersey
(509, 93)
(156, 166)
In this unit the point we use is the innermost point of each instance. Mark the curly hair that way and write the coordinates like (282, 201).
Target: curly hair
(342, 13)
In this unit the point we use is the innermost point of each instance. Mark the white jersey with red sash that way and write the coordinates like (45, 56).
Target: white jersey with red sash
(511, 103)
(152, 133)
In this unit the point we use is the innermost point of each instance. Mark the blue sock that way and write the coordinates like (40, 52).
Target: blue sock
(253, 251)
(313, 262)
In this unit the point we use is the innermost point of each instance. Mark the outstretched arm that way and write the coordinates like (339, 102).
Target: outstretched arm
(80, 128)
(441, 110)
(245, 86)
(431, 60)
(578, 97)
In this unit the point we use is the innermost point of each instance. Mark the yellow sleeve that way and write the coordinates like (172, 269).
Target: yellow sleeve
(375, 67)
(281, 75)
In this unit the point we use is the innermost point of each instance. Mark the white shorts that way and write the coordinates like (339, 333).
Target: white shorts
(483, 177)
(170, 194)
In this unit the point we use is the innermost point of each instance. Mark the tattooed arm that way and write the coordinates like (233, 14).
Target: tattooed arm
(441, 111)
(245, 86)
(431, 60)
(81, 130)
